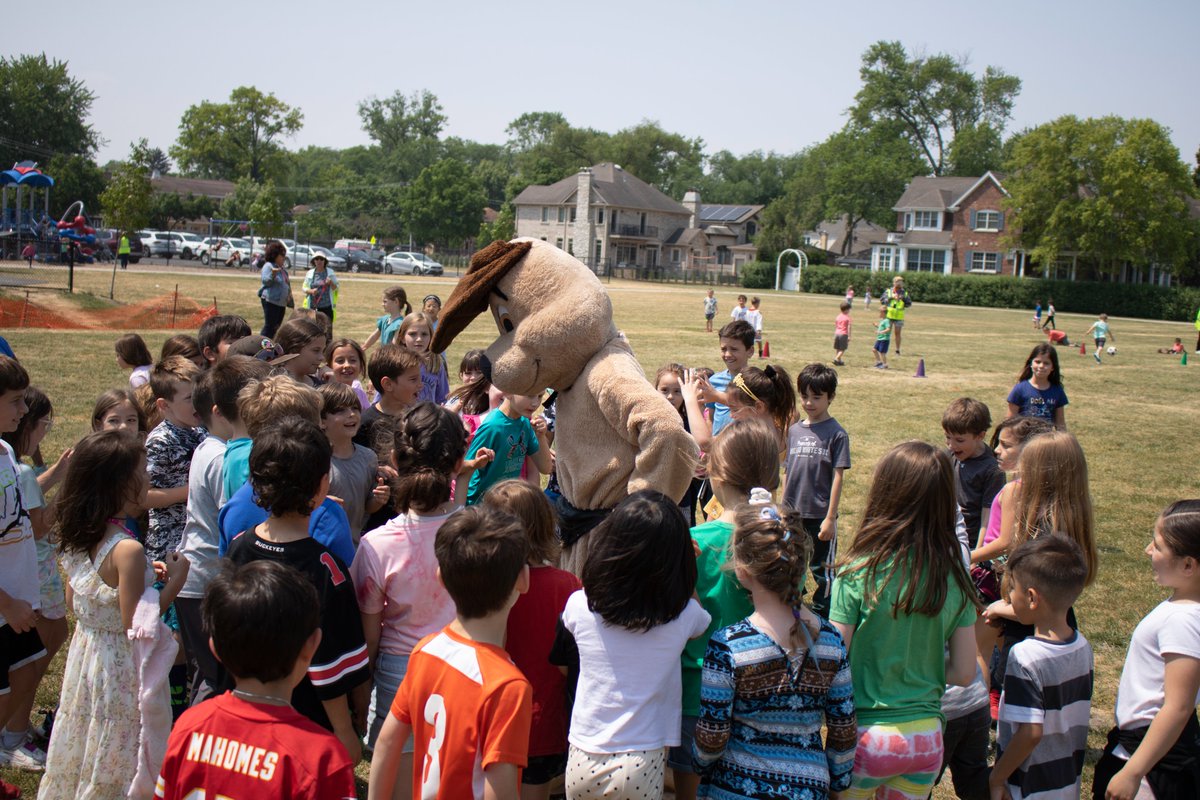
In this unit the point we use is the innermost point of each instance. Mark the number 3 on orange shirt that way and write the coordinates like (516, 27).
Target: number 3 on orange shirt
(431, 772)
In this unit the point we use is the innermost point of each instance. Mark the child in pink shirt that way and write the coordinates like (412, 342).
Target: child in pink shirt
(395, 569)
(841, 333)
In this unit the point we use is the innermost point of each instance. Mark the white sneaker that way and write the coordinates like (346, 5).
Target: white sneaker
(26, 756)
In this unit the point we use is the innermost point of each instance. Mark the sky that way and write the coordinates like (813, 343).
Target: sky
(743, 76)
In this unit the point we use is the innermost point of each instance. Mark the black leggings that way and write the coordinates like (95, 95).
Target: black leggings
(272, 318)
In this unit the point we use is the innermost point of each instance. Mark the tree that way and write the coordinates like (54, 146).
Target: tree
(266, 213)
(933, 99)
(238, 139)
(1112, 190)
(159, 163)
(755, 178)
(406, 130)
(444, 204)
(75, 178)
(43, 111)
(502, 229)
(126, 200)
(669, 161)
(856, 174)
(169, 210)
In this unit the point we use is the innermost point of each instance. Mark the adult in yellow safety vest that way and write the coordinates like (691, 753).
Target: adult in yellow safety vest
(896, 300)
(123, 250)
(1198, 331)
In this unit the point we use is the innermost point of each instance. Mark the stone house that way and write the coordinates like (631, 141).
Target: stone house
(610, 219)
(949, 225)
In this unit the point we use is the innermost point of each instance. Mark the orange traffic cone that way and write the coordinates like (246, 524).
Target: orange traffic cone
(1082, 349)
(766, 349)
(920, 369)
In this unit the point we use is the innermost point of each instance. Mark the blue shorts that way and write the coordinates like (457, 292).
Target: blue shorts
(881, 345)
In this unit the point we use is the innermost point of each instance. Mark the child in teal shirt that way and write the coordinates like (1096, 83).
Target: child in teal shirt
(508, 432)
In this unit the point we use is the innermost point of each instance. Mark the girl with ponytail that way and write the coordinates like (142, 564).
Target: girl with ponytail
(774, 678)
(395, 569)
(766, 394)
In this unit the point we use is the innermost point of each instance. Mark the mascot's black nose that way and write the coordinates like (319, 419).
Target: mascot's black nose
(485, 366)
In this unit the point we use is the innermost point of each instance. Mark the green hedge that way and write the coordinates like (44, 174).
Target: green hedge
(1085, 297)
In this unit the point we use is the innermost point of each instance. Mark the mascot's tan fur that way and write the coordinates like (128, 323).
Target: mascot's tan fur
(614, 433)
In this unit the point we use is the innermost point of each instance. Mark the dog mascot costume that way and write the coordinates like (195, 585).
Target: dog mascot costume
(614, 433)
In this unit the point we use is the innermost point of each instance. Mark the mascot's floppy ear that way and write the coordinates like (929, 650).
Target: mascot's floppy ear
(470, 297)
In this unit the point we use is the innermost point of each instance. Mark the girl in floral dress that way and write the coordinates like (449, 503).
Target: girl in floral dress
(98, 735)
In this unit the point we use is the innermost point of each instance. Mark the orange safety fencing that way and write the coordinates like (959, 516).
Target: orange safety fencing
(169, 311)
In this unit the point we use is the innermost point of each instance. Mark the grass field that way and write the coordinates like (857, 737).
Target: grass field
(1132, 415)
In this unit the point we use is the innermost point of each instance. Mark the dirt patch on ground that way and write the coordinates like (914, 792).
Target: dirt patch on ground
(166, 312)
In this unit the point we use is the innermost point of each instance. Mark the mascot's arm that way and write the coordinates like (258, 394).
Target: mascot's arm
(665, 454)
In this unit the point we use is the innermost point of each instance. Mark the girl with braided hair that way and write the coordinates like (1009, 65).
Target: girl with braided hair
(771, 680)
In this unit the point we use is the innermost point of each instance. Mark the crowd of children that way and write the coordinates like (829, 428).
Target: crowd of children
(278, 564)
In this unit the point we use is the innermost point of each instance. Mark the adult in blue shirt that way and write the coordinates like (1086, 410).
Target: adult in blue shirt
(276, 290)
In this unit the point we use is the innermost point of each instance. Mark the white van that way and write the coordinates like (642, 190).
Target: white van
(354, 244)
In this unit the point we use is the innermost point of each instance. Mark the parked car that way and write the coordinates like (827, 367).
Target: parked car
(183, 244)
(403, 262)
(259, 246)
(220, 249)
(112, 241)
(156, 244)
(336, 262)
(302, 255)
(360, 260)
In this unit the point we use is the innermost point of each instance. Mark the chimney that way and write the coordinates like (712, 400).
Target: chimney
(581, 231)
(691, 201)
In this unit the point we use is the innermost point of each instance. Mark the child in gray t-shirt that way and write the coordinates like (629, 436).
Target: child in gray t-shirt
(818, 451)
(353, 472)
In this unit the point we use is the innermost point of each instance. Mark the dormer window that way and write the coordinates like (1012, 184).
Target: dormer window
(925, 221)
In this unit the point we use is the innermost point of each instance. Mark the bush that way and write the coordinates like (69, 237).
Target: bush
(758, 275)
(1084, 297)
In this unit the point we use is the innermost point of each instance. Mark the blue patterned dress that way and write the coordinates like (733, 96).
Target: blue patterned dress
(759, 732)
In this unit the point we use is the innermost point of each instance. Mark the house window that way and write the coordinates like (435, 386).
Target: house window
(751, 229)
(626, 255)
(599, 250)
(674, 255)
(886, 261)
(574, 210)
(985, 262)
(925, 221)
(926, 261)
(987, 221)
(562, 214)
(545, 214)
(558, 243)
(571, 246)
(599, 216)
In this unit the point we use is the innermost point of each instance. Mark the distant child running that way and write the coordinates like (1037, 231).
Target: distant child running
(841, 332)
(1037, 315)
(710, 310)
(883, 338)
(1049, 323)
(1100, 333)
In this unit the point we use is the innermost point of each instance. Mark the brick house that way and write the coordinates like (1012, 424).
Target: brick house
(949, 225)
(610, 219)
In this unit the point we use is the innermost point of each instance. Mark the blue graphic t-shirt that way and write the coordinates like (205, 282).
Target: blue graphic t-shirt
(1035, 402)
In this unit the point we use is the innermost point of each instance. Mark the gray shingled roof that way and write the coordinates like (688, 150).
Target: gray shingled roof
(933, 193)
(938, 238)
(865, 232)
(611, 186)
(684, 236)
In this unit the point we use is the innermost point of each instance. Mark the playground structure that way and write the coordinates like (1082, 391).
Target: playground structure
(22, 222)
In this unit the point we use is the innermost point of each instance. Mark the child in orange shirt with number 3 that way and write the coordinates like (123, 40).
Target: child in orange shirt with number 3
(466, 703)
